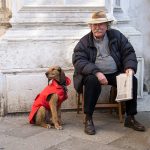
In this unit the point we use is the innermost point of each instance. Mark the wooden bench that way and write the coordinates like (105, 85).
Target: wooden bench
(111, 104)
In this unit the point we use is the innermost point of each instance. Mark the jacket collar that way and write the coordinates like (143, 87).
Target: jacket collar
(91, 42)
(110, 36)
(55, 83)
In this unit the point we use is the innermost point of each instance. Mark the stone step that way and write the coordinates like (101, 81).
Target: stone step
(47, 15)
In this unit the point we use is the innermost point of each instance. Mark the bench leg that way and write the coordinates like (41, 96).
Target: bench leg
(120, 113)
(78, 103)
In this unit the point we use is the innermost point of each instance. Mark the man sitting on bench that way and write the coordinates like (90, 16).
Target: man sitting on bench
(98, 58)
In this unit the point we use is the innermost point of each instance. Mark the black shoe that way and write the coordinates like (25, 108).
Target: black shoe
(130, 122)
(89, 127)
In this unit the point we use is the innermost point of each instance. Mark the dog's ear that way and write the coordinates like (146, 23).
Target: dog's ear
(62, 77)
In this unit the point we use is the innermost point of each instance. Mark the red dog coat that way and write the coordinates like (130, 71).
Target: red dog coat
(40, 100)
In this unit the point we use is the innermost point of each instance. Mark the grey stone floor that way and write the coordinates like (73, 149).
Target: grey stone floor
(17, 134)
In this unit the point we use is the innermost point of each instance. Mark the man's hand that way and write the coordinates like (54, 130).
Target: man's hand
(129, 72)
(101, 77)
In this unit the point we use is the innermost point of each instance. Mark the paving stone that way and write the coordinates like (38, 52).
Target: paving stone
(24, 131)
(39, 141)
(134, 141)
(80, 144)
(105, 128)
(53, 148)
(6, 140)
(16, 133)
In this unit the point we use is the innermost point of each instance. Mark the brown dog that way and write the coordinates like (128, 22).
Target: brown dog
(46, 109)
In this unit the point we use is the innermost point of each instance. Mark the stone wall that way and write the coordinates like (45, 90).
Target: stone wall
(44, 33)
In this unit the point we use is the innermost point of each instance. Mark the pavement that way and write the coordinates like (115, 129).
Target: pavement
(17, 134)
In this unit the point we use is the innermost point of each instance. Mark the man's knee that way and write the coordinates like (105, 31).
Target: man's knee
(91, 79)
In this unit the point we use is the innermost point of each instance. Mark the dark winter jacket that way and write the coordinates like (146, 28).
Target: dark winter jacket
(85, 52)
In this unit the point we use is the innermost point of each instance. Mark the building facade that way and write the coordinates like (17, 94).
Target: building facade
(43, 33)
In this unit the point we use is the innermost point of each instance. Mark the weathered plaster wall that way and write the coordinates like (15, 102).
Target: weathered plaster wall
(44, 35)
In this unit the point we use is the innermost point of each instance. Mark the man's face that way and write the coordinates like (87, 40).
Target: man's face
(99, 29)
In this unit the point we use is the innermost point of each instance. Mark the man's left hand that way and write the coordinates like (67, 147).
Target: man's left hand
(129, 71)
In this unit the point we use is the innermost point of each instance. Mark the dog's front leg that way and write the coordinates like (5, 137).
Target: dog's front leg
(40, 118)
(59, 116)
(53, 105)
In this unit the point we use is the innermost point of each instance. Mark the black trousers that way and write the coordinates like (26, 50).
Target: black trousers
(92, 90)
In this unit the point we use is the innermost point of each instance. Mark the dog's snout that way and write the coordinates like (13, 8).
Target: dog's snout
(46, 73)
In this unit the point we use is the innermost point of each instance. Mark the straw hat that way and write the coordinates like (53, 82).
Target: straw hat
(99, 17)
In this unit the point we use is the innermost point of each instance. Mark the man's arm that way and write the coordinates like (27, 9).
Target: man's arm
(127, 51)
(80, 60)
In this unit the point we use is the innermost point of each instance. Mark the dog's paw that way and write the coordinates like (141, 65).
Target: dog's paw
(48, 126)
(61, 122)
(59, 127)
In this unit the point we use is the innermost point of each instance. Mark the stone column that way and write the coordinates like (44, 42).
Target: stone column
(5, 15)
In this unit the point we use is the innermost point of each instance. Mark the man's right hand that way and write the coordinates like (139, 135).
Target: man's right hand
(101, 77)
